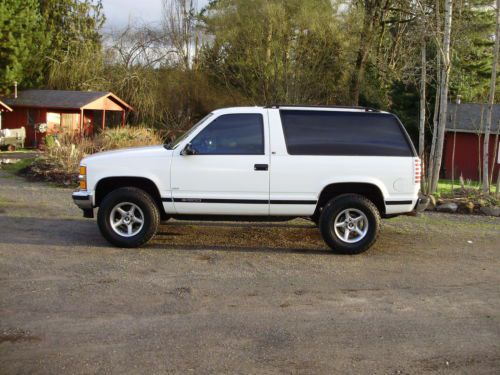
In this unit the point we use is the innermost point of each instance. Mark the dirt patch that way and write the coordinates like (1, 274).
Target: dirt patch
(15, 335)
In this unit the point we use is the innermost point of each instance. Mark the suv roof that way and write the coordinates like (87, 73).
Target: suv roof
(331, 107)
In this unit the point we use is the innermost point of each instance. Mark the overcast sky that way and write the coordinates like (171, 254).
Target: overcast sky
(118, 12)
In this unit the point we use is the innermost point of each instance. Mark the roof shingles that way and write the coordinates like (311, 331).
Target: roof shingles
(55, 98)
(471, 117)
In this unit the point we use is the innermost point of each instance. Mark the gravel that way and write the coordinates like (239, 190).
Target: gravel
(261, 298)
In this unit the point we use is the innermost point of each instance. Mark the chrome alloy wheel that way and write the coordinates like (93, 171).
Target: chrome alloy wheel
(126, 219)
(351, 225)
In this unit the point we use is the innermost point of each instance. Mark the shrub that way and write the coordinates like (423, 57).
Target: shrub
(112, 139)
(62, 155)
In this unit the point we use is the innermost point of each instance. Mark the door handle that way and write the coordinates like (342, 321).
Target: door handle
(260, 167)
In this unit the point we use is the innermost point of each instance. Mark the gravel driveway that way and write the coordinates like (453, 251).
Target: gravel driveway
(238, 298)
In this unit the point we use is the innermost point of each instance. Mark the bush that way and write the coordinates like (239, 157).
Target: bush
(62, 156)
(125, 137)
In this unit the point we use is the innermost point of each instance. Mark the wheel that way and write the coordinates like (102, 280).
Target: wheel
(128, 217)
(350, 224)
(11, 148)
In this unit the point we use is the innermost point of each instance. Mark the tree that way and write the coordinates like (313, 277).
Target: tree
(75, 56)
(180, 18)
(23, 39)
(443, 96)
(491, 101)
(275, 51)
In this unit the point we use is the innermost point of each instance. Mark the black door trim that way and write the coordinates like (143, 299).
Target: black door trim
(237, 201)
(394, 203)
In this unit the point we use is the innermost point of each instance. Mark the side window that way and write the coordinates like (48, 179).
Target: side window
(233, 134)
(344, 133)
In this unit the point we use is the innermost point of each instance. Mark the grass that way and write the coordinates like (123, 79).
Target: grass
(444, 186)
(20, 151)
(18, 166)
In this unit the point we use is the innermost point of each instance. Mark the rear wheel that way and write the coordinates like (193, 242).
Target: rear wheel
(11, 148)
(350, 224)
(128, 217)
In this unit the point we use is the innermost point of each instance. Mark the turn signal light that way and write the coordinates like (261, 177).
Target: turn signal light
(83, 177)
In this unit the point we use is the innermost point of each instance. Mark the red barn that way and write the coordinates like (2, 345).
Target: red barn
(465, 129)
(77, 112)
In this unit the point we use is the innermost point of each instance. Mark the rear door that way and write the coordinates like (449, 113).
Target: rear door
(229, 172)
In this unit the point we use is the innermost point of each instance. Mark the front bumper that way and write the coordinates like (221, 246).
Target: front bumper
(84, 201)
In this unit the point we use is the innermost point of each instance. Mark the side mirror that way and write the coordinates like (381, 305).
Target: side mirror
(188, 150)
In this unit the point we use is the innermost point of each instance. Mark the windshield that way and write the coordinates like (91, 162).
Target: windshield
(172, 145)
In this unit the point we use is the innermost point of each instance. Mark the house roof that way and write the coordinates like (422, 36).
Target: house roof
(63, 99)
(4, 107)
(471, 118)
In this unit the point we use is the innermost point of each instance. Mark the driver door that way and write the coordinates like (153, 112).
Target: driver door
(228, 172)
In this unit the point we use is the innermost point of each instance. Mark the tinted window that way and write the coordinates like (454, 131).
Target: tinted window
(240, 134)
(344, 133)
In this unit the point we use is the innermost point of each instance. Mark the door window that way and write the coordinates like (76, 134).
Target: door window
(232, 134)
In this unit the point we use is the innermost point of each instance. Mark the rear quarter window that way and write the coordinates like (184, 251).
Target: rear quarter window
(344, 133)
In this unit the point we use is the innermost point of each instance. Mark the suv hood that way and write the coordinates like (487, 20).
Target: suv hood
(127, 153)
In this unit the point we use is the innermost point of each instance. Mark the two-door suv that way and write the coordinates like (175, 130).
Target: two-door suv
(345, 168)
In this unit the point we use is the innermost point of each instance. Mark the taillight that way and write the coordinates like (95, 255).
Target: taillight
(419, 169)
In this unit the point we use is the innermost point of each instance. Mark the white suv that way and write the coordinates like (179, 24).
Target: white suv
(342, 167)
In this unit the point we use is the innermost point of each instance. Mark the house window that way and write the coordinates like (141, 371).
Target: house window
(62, 122)
(53, 122)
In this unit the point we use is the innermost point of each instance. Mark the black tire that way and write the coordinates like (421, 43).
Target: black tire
(334, 209)
(138, 197)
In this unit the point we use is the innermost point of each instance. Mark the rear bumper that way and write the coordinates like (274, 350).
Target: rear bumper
(422, 203)
(84, 201)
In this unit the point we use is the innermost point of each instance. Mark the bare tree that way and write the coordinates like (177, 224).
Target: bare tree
(180, 28)
(454, 144)
(423, 99)
(495, 153)
(137, 45)
(491, 101)
(443, 96)
(423, 78)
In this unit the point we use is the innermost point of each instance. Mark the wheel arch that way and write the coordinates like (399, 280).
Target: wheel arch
(108, 184)
(369, 190)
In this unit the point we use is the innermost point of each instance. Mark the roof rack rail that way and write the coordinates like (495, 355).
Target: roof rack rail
(366, 109)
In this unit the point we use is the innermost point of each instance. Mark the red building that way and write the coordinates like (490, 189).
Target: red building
(77, 112)
(3, 108)
(465, 129)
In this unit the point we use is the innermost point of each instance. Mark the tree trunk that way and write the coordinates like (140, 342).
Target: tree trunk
(370, 19)
(453, 149)
(443, 95)
(495, 154)
(498, 185)
(359, 67)
(491, 101)
(435, 115)
(421, 125)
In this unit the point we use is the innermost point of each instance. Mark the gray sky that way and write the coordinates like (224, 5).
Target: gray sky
(118, 12)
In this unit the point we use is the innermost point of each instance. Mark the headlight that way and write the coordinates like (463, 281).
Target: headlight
(82, 177)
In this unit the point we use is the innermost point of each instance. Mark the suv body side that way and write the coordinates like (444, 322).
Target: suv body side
(233, 185)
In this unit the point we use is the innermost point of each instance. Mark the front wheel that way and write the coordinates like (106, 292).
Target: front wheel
(350, 224)
(128, 217)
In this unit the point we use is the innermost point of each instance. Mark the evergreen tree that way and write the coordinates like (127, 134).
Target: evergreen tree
(23, 40)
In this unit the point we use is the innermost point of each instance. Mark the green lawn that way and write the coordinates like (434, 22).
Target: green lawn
(17, 167)
(444, 186)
